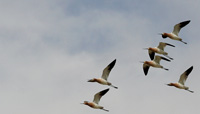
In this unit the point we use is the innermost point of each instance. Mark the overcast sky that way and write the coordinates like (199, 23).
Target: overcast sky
(50, 48)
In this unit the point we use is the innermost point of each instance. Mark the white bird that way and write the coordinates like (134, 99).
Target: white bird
(159, 50)
(105, 74)
(181, 83)
(95, 103)
(174, 35)
(154, 63)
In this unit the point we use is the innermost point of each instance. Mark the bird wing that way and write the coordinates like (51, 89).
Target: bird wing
(98, 95)
(107, 70)
(184, 76)
(158, 58)
(151, 54)
(180, 25)
(162, 45)
(169, 44)
(145, 68)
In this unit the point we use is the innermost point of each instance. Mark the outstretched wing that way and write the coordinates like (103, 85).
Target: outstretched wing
(151, 54)
(145, 68)
(107, 70)
(180, 25)
(98, 95)
(158, 58)
(184, 76)
(162, 45)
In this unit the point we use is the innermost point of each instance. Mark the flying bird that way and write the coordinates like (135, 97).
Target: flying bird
(95, 103)
(154, 63)
(105, 74)
(174, 35)
(159, 50)
(181, 83)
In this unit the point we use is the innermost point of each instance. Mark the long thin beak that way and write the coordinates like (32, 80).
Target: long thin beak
(105, 110)
(159, 33)
(141, 61)
(81, 103)
(145, 48)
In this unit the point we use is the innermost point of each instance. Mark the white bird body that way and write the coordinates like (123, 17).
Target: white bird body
(181, 83)
(154, 63)
(159, 49)
(97, 97)
(105, 74)
(100, 81)
(94, 105)
(174, 35)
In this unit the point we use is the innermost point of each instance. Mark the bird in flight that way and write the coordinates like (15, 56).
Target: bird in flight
(105, 74)
(181, 83)
(174, 35)
(154, 63)
(159, 49)
(95, 103)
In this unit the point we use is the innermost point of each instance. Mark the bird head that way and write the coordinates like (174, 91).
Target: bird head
(163, 35)
(92, 80)
(170, 84)
(85, 102)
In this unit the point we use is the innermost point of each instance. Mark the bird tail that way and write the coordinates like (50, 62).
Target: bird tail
(184, 42)
(190, 91)
(105, 110)
(114, 86)
(165, 69)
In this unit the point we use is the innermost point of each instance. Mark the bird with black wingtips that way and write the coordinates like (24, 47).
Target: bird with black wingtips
(154, 63)
(174, 35)
(95, 103)
(159, 49)
(181, 83)
(105, 74)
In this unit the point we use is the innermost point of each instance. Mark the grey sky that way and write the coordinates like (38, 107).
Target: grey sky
(50, 48)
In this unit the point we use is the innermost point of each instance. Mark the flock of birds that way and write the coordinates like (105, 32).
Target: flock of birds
(155, 62)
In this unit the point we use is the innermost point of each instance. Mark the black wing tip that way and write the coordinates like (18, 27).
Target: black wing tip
(146, 69)
(165, 59)
(184, 23)
(113, 62)
(151, 55)
(103, 92)
(170, 45)
(188, 21)
(106, 90)
(189, 70)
